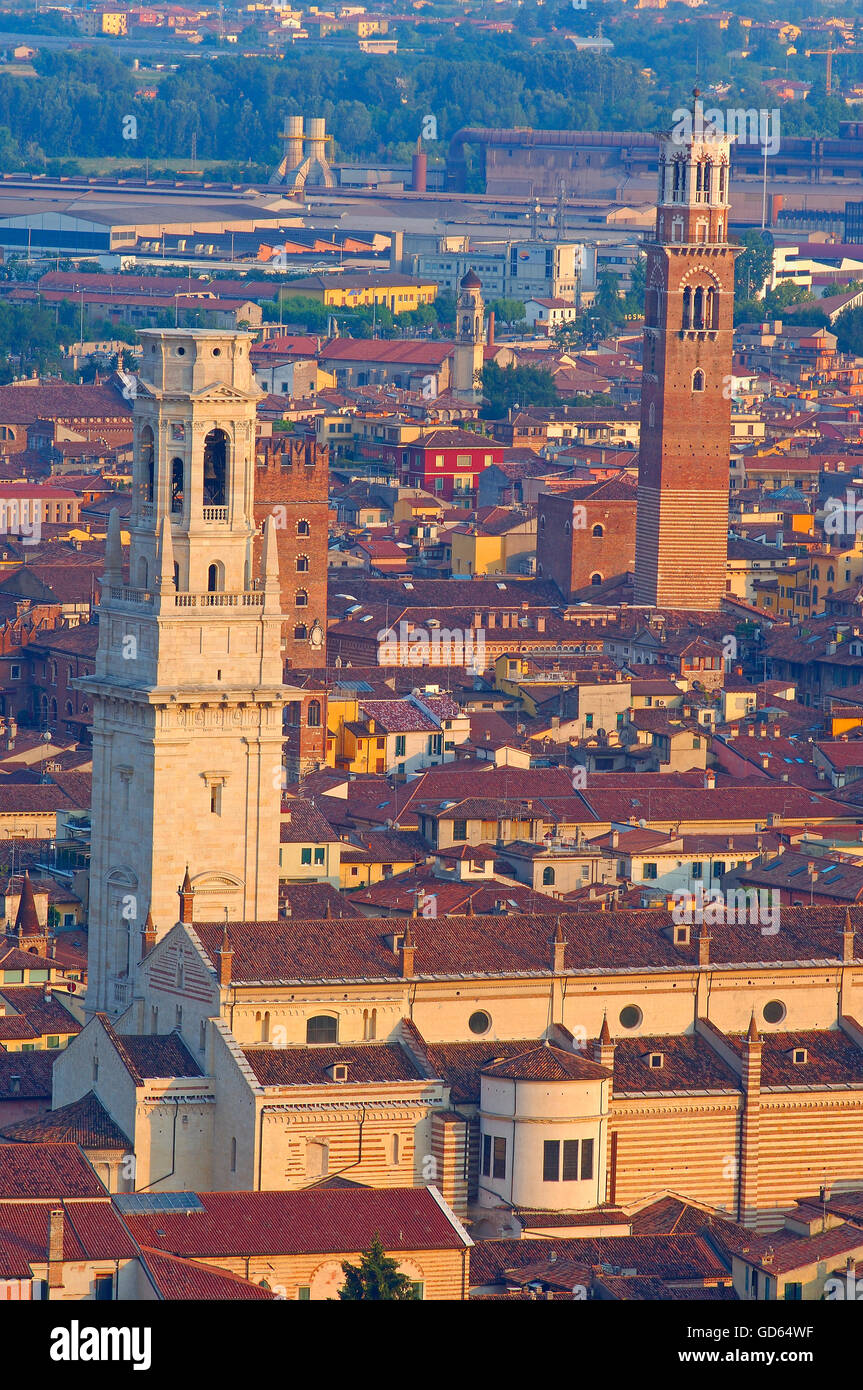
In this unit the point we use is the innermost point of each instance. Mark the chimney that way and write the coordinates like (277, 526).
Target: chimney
(729, 843)
(55, 1248)
(709, 780)
(603, 1048)
(187, 894)
(558, 951)
(614, 839)
(703, 946)
(225, 959)
(847, 938)
(777, 732)
(407, 951)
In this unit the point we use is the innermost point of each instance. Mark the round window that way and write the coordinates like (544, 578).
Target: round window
(631, 1016)
(217, 352)
(774, 1011)
(479, 1022)
(181, 352)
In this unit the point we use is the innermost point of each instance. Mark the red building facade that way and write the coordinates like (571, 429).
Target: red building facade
(682, 526)
(448, 463)
(292, 484)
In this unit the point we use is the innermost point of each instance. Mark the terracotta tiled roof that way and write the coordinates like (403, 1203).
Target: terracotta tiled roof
(367, 1063)
(176, 1278)
(44, 1016)
(313, 1221)
(460, 1064)
(684, 1257)
(547, 1063)
(514, 944)
(45, 1171)
(688, 1064)
(150, 1055)
(91, 1231)
(26, 1075)
(85, 1122)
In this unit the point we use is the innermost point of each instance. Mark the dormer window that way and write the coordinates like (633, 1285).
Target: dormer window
(655, 1060)
(339, 1071)
(799, 1055)
(681, 935)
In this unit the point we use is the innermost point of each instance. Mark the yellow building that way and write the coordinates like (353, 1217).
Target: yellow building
(500, 541)
(355, 289)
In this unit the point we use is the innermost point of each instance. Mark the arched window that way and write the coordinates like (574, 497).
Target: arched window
(814, 595)
(542, 523)
(302, 598)
(698, 381)
(370, 1024)
(651, 416)
(547, 876)
(148, 463)
(301, 632)
(830, 575)
(69, 709)
(215, 577)
(698, 308)
(596, 579)
(597, 530)
(712, 307)
(302, 528)
(265, 1027)
(53, 709)
(567, 528)
(816, 573)
(323, 1028)
(216, 469)
(302, 564)
(177, 477)
(687, 307)
(314, 716)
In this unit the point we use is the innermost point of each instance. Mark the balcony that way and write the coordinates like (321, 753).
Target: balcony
(248, 599)
(215, 514)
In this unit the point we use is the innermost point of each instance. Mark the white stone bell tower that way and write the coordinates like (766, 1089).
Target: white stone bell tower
(468, 354)
(187, 692)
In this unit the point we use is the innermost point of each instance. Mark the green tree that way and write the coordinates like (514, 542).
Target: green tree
(849, 331)
(753, 265)
(376, 1277)
(503, 387)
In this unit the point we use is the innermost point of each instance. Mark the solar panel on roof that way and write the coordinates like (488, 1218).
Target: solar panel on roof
(144, 1203)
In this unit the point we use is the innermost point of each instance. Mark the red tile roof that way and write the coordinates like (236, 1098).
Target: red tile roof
(85, 1122)
(367, 1063)
(46, 1171)
(313, 1221)
(176, 1278)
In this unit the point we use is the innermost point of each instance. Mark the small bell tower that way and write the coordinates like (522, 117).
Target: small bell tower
(469, 338)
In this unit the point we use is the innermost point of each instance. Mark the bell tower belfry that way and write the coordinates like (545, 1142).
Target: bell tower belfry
(187, 691)
(469, 338)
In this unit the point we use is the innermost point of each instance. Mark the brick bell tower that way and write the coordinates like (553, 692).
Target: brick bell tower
(682, 524)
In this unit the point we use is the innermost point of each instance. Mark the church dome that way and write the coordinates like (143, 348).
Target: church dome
(471, 281)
